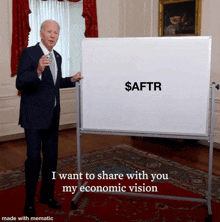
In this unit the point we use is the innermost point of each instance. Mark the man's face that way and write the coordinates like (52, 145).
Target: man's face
(49, 35)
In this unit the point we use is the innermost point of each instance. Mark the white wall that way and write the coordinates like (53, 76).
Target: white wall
(211, 26)
(9, 102)
(116, 18)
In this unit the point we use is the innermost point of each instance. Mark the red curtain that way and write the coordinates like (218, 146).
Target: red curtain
(21, 28)
(20, 31)
(90, 15)
(68, 0)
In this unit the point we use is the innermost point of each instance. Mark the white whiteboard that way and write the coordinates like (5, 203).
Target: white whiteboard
(180, 64)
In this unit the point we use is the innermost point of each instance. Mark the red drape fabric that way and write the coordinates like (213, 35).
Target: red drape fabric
(71, 0)
(90, 15)
(21, 28)
(64, 0)
(20, 31)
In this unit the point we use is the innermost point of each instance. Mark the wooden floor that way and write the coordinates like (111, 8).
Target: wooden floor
(187, 152)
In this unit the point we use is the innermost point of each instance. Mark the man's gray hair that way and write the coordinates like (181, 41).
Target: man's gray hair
(48, 20)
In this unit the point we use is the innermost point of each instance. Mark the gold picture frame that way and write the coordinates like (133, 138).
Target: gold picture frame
(179, 17)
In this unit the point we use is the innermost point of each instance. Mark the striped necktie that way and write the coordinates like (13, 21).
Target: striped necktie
(52, 67)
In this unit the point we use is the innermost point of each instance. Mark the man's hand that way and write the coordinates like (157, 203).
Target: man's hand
(43, 62)
(76, 77)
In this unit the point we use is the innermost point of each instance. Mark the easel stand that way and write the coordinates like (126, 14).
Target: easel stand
(209, 138)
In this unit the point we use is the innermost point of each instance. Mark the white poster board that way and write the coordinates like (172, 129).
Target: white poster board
(149, 85)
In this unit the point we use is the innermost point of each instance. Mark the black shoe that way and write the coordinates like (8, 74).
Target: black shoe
(50, 202)
(29, 210)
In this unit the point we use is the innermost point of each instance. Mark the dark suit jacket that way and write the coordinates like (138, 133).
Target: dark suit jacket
(38, 95)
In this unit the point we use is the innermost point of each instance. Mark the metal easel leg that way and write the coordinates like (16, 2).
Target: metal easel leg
(78, 135)
(211, 142)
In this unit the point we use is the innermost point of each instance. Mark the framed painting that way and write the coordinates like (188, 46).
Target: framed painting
(179, 17)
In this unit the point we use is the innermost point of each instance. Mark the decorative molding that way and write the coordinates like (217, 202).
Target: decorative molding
(21, 135)
(9, 97)
(9, 112)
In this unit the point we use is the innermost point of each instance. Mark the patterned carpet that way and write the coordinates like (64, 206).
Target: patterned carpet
(179, 180)
(125, 159)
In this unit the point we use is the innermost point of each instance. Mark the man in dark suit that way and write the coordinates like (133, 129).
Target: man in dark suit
(39, 79)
